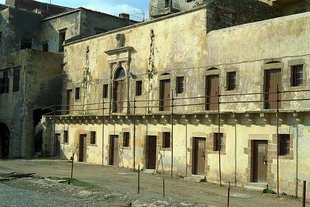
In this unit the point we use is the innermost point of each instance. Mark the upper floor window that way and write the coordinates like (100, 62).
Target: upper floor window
(120, 74)
(77, 94)
(62, 39)
(138, 88)
(297, 75)
(105, 91)
(26, 43)
(189, 1)
(16, 75)
(180, 85)
(231, 81)
(167, 3)
(4, 82)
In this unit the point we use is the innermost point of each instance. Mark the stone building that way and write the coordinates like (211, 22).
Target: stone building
(31, 50)
(194, 94)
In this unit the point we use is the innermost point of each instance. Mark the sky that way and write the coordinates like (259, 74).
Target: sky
(133, 7)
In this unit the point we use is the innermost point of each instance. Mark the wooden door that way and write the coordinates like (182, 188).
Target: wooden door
(151, 152)
(114, 152)
(273, 80)
(164, 103)
(212, 91)
(82, 148)
(69, 102)
(199, 156)
(119, 95)
(260, 161)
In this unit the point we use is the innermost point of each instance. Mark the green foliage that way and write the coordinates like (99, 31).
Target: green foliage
(269, 191)
(78, 183)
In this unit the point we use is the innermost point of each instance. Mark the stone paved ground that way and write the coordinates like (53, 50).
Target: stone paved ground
(117, 187)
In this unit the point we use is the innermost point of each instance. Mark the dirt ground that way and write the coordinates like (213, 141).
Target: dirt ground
(118, 187)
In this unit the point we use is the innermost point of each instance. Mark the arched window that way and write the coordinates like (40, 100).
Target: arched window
(120, 73)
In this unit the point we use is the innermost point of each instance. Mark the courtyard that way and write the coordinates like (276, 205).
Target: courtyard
(111, 186)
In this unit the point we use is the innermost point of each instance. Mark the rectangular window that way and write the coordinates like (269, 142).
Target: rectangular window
(284, 144)
(297, 75)
(66, 137)
(126, 139)
(5, 82)
(231, 81)
(166, 139)
(26, 43)
(77, 94)
(62, 39)
(105, 91)
(180, 85)
(138, 88)
(45, 47)
(218, 142)
(16, 75)
(93, 137)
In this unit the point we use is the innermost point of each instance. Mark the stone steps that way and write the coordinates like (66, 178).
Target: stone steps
(256, 186)
(196, 178)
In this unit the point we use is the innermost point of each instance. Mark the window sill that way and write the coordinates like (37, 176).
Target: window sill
(93, 145)
(165, 149)
(126, 148)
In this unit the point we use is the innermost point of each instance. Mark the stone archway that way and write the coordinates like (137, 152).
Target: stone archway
(4, 140)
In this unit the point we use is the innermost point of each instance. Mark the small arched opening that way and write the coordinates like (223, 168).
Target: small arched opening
(4, 140)
(119, 90)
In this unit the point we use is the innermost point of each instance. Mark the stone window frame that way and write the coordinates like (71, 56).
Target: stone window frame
(160, 139)
(108, 92)
(135, 88)
(226, 71)
(63, 137)
(292, 63)
(121, 139)
(88, 137)
(289, 156)
(210, 148)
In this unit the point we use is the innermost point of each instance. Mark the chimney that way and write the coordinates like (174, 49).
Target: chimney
(124, 16)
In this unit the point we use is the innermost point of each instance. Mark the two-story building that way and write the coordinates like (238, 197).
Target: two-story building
(31, 48)
(213, 94)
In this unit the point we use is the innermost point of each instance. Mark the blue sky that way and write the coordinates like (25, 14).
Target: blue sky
(133, 7)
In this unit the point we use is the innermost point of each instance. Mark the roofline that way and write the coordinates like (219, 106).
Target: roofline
(80, 9)
(137, 25)
(61, 14)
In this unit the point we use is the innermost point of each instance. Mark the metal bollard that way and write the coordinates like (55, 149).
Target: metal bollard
(304, 194)
(72, 161)
(164, 188)
(228, 195)
(139, 179)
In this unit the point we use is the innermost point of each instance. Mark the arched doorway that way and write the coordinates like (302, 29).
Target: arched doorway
(4, 140)
(119, 90)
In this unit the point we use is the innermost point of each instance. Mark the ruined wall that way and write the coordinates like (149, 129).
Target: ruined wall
(92, 22)
(40, 82)
(17, 24)
(70, 22)
(227, 13)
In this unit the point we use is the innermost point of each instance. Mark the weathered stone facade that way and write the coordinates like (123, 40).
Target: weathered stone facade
(31, 50)
(182, 45)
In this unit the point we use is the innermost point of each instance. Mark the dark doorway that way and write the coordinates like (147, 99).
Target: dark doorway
(199, 156)
(151, 152)
(259, 161)
(273, 81)
(38, 129)
(114, 153)
(57, 144)
(212, 92)
(4, 140)
(82, 148)
(164, 96)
